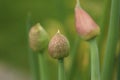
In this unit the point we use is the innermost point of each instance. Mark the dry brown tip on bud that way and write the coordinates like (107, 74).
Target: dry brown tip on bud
(38, 38)
(59, 46)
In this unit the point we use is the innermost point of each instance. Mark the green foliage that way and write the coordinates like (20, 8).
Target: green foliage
(112, 41)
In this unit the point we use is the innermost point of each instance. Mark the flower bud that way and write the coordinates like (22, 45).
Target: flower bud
(85, 25)
(59, 46)
(38, 38)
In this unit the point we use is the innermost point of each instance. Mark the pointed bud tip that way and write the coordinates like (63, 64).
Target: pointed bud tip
(58, 31)
(77, 3)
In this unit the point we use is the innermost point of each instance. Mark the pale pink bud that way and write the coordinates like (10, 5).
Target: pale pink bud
(85, 25)
(59, 46)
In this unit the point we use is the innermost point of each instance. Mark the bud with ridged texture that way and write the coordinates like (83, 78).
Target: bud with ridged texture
(59, 46)
(38, 38)
(85, 25)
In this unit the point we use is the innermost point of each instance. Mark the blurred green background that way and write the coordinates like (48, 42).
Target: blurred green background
(52, 14)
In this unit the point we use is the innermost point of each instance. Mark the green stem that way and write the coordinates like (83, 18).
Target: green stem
(104, 27)
(33, 58)
(95, 71)
(118, 73)
(34, 65)
(108, 64)
(42, 66)
(61, 73)
(105, 20)
(74, 55)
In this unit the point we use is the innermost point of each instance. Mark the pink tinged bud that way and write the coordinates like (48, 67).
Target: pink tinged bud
(85, 25)
(59, 46)
(38, 38)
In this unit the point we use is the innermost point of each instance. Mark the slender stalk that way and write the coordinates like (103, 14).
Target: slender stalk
(104, 21)
(95, 72)
(33, 58)
(118, 72)
(104, 27)
(111, 42)
(42, 66)
(74, 55)
(61, 73)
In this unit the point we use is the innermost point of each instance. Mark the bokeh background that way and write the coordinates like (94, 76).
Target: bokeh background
(52, 14)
